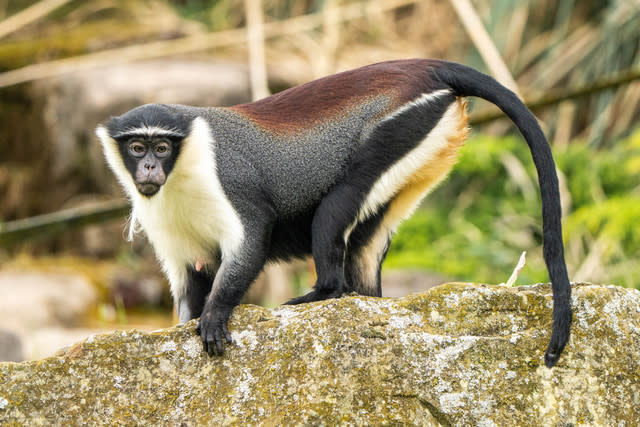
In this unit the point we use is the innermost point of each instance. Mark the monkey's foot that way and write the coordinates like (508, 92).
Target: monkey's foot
(315, 295)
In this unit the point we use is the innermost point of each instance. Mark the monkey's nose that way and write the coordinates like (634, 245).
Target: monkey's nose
(149, 166)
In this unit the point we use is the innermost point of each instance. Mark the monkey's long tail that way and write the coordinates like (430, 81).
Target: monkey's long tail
(466, 81)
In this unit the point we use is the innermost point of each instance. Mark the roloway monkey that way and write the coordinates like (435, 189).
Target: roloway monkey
(328, 168)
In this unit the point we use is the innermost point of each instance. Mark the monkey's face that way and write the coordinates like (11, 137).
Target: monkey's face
(142, 146)
(149, 161)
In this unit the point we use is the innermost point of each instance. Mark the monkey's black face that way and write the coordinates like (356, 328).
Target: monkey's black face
(149, 160)
(149, 156)
(149, 140)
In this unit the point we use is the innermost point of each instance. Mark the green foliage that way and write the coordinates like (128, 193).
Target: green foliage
(616, 219)
(476, 224)
(215, 15)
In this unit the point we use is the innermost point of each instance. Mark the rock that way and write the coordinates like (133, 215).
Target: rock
(398, 283)
(459, 354)
(31, 300)
(46, 341)
(10, 346)
(37, 310)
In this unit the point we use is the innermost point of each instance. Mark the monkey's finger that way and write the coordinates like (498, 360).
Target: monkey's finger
(206, 347)
(203, 335)
(207, 341)
(219, 342)
(209, 345)
(227, 335)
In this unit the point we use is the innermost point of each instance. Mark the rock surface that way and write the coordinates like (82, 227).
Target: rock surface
(459, 354)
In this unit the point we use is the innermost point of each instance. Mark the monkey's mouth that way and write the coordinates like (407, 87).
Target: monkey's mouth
(148, 188)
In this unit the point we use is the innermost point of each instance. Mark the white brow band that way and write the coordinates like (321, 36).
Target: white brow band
(149, 131)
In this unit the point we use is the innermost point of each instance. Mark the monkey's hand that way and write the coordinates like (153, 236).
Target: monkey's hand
(213, 330)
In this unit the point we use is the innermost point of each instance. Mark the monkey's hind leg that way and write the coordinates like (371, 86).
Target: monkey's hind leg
(334, 215)
(369, 241)
(367, 247)
(198, 287)
(405, 155)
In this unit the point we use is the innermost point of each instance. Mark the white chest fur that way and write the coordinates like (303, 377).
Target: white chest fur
(190, 217)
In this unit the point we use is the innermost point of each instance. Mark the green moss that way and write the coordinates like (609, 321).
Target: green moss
(373, 333)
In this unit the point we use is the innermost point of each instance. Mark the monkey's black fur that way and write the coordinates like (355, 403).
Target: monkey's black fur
(328, 168)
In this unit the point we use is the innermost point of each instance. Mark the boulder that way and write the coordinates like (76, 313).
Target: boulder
(459, 354)
(41, 310)
(36, 299)
(10, 346)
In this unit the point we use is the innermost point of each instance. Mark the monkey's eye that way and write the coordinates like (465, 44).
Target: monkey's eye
(162, 149)
(137, 148)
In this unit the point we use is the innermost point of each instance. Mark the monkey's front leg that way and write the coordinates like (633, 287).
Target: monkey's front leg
(234, 277)
(231, 283)
(212, 326)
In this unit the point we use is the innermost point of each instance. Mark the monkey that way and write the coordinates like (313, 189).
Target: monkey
(329, 169)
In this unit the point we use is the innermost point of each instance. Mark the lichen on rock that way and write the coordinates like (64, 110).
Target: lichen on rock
(459, 354)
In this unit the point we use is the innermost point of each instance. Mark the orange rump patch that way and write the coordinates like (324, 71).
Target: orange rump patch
(430, 174)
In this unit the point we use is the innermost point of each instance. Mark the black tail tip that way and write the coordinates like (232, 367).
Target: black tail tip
(556, 346)
(551, 359)
(559, 338)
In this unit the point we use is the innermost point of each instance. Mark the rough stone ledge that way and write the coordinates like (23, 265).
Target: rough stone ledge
(459, 354)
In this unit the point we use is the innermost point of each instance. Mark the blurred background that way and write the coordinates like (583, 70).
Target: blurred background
(66, 269)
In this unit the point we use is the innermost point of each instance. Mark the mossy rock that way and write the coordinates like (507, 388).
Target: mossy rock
(459, 354)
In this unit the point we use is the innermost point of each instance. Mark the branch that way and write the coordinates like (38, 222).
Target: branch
(557, 96)
(478, 34)
(257, 62)
(189, 44)
(28, 15)
(14, 232)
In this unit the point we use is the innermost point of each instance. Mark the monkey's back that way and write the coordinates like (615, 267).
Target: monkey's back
(302, 140)
(297, 169)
